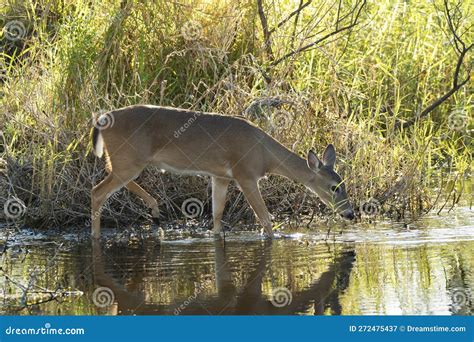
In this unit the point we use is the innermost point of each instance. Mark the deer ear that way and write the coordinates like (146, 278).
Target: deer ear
(329, 156)
(313, 161)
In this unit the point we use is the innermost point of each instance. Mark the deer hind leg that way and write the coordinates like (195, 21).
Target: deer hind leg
(254, 197)
(112, 183)
(219, 192)
(146, 197)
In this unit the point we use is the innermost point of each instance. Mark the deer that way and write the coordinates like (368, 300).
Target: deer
(226, 148)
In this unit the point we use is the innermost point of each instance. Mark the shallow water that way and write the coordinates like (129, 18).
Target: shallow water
(426, 268)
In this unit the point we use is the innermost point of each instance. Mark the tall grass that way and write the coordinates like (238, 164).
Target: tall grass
(79, 58)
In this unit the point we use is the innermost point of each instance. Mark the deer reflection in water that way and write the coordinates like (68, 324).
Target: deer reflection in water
(229, 299)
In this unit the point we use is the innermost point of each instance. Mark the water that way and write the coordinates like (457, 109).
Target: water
(384, 268)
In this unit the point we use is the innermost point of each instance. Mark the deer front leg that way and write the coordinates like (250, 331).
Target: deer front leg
(145, 196)
(254, 197)
(219, 192)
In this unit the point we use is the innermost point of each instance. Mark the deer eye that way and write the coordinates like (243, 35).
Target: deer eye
(334, 188)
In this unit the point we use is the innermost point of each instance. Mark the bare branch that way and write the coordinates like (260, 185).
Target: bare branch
(357, 10)
(338, 13)
(295, 23)
(266, 32)
(459, 46)
(452, 26)
(291, 15)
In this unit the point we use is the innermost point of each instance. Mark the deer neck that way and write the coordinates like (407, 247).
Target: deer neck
(288, 164)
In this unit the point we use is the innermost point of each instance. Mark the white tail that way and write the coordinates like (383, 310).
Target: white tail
(98, 143)
(225, 148)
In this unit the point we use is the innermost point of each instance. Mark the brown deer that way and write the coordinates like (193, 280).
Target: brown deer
(223, 147)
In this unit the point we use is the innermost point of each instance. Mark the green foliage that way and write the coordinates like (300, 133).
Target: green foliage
(78, 58)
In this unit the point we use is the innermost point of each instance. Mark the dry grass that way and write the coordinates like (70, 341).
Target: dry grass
(76, 60)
